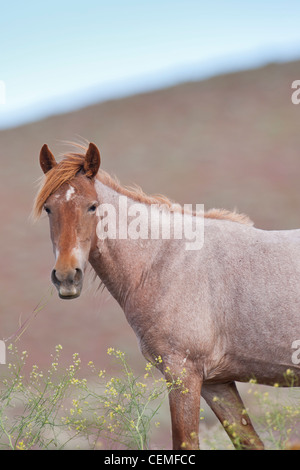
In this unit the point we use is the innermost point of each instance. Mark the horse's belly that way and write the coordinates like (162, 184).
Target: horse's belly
(264, 370)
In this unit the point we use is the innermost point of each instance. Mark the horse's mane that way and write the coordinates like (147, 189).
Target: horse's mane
(72, 163)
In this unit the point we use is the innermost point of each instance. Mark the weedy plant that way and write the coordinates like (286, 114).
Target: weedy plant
(274, 412)
(278, 412)
(30, 406)
(121, 410)
(57, 408)
(54, 409)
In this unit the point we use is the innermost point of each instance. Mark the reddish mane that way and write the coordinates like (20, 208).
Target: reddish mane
(72, 163)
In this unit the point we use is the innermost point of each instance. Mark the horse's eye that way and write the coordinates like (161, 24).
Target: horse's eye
(92, 208)
(47, 210)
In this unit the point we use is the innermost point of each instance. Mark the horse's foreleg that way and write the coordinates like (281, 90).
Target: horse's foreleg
(226, 403)
(185, 410)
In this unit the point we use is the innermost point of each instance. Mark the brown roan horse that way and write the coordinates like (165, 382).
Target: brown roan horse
(225, 313)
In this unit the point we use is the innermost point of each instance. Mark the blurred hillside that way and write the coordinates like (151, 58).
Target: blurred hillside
(231, 141)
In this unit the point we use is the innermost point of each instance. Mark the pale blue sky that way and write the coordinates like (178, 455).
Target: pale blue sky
(62, 54)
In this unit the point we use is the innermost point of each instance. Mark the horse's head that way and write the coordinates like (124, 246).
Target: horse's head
(70, 199)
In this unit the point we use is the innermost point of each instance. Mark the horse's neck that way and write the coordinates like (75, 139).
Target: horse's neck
(120, 262)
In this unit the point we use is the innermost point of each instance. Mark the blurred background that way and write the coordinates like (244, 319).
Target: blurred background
(190, 99)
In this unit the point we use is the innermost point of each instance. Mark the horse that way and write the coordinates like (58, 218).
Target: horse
(226, 312)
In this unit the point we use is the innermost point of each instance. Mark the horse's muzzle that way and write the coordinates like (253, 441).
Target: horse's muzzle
(68, 284)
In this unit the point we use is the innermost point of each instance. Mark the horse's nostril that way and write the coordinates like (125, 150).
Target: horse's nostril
(78, 275)
(54, 278)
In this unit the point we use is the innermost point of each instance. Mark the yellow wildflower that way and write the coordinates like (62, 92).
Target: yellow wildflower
(21, 445)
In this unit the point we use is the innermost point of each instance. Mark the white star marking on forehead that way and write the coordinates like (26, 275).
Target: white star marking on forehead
(70, 192)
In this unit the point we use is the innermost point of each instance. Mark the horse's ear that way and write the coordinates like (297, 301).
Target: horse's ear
(47, 160)
(92, 161)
